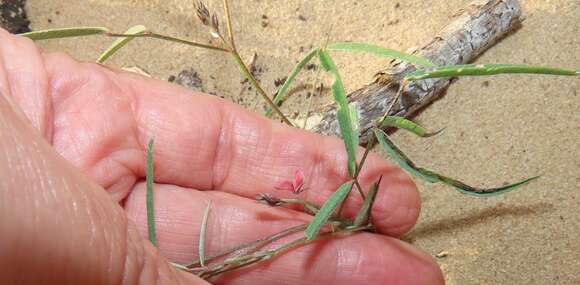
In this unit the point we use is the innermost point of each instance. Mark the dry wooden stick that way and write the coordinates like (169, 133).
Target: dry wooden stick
(475, 28)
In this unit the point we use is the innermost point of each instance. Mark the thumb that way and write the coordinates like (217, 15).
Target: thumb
(60, 228)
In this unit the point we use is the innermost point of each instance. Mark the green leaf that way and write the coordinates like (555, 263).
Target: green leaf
(362, 217)
(281, 94)
(434, 177)
(466, 189)
(337, 87)
(120, 42)
(405, 124)
(347, 114)
(202, 232)
(378, 50)
(151, 233)
(64, 33)
(486, 69)
(335, 200)
(350, 139)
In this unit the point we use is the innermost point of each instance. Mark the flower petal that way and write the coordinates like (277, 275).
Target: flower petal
(298, 178)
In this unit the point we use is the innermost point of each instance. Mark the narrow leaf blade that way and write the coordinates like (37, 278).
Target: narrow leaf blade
(64, 33)
(408, 125)
(120, 42)
(433, 177)
(337, 87)
(401, 159)
(381, 51)
(151, 233)
(327, 209)
(486, 69)
(350, 139)
(281, 94)
(362, 217)
(347, 114)
(202, 231)
(480, 192)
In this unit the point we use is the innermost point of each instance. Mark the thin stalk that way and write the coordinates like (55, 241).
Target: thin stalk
(268, 254)
(309, 106)
(234, 53)
(229, 24)
(169, 38)
(202, 234)
(372, 140)
(256, 85)
(307, 205)
(359, 188)
(369, 147)
(250, 246)
(404, 84)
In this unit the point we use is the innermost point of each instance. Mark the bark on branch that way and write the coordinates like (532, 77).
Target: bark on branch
(474, 29)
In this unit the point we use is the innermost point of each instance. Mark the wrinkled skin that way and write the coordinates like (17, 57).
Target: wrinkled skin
(72, 159)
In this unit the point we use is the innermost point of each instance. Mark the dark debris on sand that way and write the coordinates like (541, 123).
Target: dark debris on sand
(13, 16)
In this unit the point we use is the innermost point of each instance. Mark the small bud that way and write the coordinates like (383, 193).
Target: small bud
(268, 199)
(295, 186)
(202, 13)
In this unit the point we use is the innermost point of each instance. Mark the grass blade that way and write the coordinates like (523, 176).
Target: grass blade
(349, 137)
(408, 125)
(202, 235)
(434, 177)
(64, 33)
(281, 94)
(346, 114)
(120, 42)
(364, 213)
(151, 233)
(327, 209)
(381, 51)
(466, 189)
(486, 69)
(337, 87)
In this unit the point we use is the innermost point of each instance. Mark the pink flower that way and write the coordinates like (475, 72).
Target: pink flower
(295, 186)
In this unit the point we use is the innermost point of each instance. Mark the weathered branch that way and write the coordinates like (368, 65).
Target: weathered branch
(475, 28)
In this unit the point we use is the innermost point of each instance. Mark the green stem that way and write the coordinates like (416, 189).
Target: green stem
(169, 38)
(256, 85)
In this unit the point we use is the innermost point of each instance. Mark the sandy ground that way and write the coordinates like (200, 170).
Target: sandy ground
(498, 129)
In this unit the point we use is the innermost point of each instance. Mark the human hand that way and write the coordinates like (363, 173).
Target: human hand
(68, 130)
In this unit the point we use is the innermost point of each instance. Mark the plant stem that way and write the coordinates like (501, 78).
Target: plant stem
(231, 50)
(238, 262)
(168, 38)
(256, 85)
(229, 24)
(250, 246)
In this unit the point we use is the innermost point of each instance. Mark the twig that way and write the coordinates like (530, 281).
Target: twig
(475, 29)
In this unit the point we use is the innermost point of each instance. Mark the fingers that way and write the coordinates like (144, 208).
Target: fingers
(59, 228)
(353, 259)
(203, 142)
(103, 120)
(24, 79)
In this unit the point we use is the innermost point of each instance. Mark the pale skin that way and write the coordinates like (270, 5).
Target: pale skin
(72, 161)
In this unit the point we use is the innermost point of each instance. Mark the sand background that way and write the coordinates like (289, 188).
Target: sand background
(498, 129)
